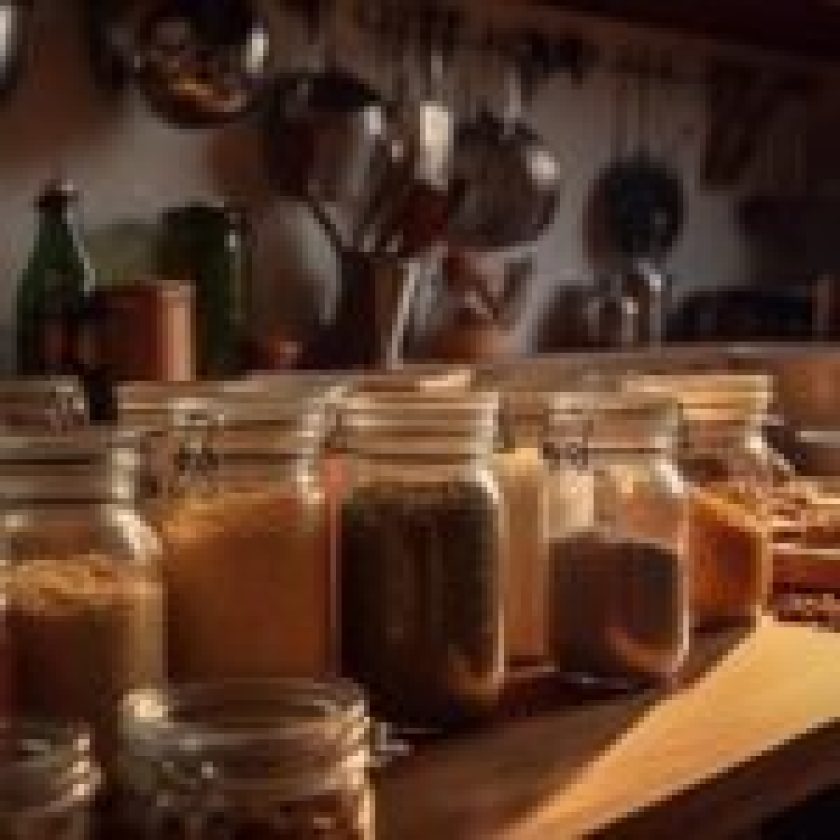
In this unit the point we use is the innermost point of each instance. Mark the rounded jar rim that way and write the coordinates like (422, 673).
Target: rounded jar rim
(52, 766)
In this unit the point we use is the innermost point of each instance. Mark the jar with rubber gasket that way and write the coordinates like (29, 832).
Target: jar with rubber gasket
(246, 527)
(617, 517)
(81, 577)
(733, 473)
(422, 531)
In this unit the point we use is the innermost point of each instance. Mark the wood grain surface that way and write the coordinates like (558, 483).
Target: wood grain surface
(751, 730)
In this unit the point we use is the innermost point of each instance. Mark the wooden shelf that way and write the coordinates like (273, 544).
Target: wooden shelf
(754, 729)
(801, 27)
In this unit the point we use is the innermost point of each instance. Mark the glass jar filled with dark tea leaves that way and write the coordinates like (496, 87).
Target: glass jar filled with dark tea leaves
(619, 609)
(420, 547)
(54, 294)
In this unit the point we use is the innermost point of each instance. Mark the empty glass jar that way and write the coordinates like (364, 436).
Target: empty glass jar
(273, 760)
(619, 610)
(420, 548)
(47, 782)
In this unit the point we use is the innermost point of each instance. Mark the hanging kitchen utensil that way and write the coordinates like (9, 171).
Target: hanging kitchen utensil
(430, 120)
(199, 62)
(643, 197)
(323, 129)
(15, 25)
(512, 178)
(107, 42)
(641, 205)
(373, 311)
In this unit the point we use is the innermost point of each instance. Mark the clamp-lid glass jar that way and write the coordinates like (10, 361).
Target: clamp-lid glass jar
(522, 474)
(247, 537)
(619, 610)
(80, 573)
(48, 780)
(274, 760)
(732, 471)
(420, 549)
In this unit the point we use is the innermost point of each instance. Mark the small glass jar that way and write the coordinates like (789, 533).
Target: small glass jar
(273, 760)
(80, 574)
(732, 472)
(248, 559)
(48, 781)
(422, 529)
(619, 610)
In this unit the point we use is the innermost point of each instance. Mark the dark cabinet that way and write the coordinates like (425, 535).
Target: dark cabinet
(804, 27)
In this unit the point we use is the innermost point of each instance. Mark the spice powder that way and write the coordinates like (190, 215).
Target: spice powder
(249, 585)
(85, 630)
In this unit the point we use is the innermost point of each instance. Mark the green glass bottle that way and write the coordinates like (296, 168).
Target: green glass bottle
(209, 246)
(55, 288)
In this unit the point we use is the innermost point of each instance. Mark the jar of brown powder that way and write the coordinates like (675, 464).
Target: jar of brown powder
(247, 537)
(619, 594)
(80, 575)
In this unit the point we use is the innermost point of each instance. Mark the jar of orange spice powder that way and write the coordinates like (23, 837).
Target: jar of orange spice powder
(248, 560)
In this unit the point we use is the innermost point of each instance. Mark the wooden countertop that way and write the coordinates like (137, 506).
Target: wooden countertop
(751, 730)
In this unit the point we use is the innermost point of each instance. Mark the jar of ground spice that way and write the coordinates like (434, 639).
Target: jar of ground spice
(523, 478)
(80, 575)
(264, 760)
(732, 470)
(618, 604)
(48, 780)
(247, 536)
(420, 549)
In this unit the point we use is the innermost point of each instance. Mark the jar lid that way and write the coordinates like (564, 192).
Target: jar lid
(419, 424)
(420, 378)
(42, 402)
(42, 765)
(281, 738)
(716, 407)
(87, 466)
(38, 385)
(705, 393)
(607, 423)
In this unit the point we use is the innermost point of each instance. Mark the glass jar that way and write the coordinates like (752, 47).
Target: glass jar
(420, 549)
(522, 474)
(273, 760)
(619, 610)
(248, 543)
(732, 472)
(48, 780)
(80, 574)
